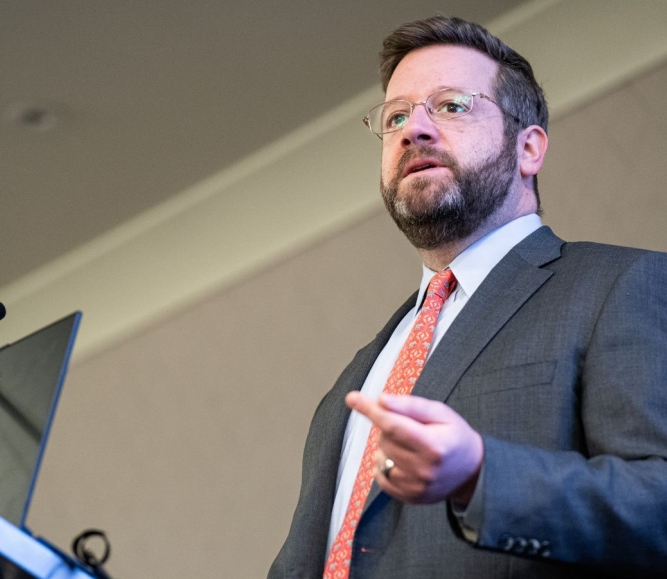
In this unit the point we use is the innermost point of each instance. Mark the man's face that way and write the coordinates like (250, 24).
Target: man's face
(441, 181)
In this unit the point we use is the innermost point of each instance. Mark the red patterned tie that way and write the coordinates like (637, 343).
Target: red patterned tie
(401, 380)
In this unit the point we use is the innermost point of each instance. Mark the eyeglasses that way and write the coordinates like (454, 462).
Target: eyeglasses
(443, 105)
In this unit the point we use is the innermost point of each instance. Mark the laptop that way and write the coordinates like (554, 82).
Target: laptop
(32, 372)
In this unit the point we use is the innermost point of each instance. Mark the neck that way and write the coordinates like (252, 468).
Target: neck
(439, 258)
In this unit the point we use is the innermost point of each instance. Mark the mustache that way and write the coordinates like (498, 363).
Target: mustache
(443, 157)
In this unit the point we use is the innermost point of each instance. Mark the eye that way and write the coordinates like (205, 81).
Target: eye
(451, 107)
(451, 103)
(396, 120)
(394, 115)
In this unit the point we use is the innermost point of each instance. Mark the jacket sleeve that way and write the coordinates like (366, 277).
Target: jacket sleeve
(606, 507)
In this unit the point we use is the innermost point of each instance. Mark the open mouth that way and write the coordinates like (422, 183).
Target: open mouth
(422, 168)
(420, 165)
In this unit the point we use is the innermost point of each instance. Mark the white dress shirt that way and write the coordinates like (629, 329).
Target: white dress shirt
(470, 268)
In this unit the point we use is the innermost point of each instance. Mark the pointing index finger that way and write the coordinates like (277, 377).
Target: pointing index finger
(368, 407)
(395, 425)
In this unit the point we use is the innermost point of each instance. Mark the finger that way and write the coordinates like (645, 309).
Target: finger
(401, 452)
(399, 485)
(379, 458)
(383, 465)
(385, 468)
(400, 429)
(369, 408)
(420, 409)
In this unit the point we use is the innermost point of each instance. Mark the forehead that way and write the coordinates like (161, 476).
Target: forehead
(427, 69)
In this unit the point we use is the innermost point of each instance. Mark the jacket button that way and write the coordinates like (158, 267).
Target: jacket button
(520, 545)
(533, 547)
(506, 543)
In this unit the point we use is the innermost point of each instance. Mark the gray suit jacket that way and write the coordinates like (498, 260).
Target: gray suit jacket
(560, 360)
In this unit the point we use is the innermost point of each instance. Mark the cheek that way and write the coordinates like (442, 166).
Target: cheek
(388, 164)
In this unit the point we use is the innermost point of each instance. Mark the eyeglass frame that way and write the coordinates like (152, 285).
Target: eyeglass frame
(367, 121)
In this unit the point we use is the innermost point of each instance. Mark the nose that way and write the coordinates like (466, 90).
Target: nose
(420, 128)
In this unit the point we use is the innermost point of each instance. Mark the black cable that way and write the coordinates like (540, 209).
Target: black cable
(84, 553)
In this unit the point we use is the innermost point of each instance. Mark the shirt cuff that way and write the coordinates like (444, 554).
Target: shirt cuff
(470, 517)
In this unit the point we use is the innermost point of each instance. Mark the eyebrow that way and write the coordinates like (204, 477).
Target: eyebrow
(436, 89)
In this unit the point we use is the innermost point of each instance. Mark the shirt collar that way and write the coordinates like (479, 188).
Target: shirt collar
(474, 263)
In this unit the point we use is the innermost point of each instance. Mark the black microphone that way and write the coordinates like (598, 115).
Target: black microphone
(3, 311)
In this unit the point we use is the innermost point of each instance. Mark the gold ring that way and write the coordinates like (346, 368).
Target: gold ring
(385, 469)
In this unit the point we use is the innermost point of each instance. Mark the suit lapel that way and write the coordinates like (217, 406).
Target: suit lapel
(333, 408)
(355, 374)
(323, 450)
(507, 287)
(333, 414)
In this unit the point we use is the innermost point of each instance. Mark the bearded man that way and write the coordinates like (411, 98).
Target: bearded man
(511, 417)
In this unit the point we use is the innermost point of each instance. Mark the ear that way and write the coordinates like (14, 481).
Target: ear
(532, 145)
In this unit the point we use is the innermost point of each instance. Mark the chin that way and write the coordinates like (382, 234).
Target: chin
(423, 191)
(425, 196)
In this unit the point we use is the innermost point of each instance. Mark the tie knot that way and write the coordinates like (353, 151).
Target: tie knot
(442, 284)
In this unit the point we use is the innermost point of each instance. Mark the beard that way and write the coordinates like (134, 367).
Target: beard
(432, 212)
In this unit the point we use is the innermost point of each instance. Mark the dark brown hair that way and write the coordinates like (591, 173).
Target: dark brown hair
(515, 87)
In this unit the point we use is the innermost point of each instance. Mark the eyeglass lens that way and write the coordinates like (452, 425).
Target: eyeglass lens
(442, 105)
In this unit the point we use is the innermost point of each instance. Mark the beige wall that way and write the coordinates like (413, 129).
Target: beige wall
(605, 176)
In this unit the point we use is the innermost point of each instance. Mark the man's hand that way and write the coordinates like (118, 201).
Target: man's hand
(437, 455)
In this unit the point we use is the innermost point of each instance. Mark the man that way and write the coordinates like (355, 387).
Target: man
(535, 437)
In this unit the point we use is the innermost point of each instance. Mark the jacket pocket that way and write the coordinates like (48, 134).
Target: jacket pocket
(508, 378)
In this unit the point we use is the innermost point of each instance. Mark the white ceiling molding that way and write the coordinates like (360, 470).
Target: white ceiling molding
(310, 184)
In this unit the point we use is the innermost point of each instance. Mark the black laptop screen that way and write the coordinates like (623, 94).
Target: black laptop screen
(32, 371)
